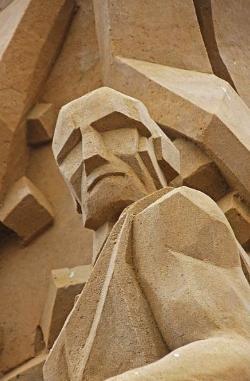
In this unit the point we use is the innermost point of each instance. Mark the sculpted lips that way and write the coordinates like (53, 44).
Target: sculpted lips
(100, 173)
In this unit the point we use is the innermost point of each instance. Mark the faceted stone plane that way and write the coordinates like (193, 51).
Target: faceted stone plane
(198, 171)
(65, 285)
(40, 124)
(26, 211)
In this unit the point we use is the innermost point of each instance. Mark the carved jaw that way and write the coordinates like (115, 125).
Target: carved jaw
(100, 238)
(108, 198)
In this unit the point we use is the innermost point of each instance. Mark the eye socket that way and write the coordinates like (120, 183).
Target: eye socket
(94, 152)
(71, 162)
(73, 139)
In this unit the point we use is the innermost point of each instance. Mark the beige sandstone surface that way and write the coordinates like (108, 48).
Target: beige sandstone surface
(159, 35)
(187, 61)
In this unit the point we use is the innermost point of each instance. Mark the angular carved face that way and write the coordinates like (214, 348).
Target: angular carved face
(113, 173)
(110, 163)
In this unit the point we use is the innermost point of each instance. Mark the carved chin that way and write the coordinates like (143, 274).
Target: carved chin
(108, 198)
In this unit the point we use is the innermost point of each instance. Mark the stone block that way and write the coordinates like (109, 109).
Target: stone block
(26, 210)
(40, 123)
(198, 171)
(65, 285)
(238, 215)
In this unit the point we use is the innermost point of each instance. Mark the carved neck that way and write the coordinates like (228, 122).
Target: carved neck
(100, 237)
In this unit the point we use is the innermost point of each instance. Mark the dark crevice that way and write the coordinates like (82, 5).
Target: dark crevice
(39, 341)
(6, 234)
(204, 15)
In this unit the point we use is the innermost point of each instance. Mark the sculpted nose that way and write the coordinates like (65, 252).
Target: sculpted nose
(93, 150)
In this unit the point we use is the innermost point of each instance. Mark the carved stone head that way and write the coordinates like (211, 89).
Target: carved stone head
(111, 153)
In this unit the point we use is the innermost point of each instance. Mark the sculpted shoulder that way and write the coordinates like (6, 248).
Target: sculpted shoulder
(191, 223)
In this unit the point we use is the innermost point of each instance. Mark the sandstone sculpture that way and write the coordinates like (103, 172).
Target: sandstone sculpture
(160, 295)
(108, 136)
(188, 62)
